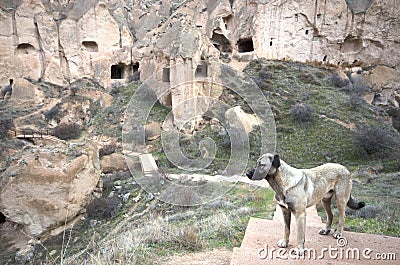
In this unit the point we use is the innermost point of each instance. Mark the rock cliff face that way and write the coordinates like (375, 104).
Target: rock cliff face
(116, 41)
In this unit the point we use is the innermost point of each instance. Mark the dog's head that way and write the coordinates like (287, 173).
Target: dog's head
(267, 164)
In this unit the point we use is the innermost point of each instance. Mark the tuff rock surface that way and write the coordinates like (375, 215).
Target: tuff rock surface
(115, 42)
(48, 187)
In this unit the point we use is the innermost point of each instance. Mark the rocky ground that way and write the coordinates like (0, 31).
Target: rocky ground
(118, 222)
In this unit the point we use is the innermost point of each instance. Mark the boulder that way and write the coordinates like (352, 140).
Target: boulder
(236, 117)
(46, 189)
(113, 163)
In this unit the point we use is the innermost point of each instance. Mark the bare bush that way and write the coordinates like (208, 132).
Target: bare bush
(360, 89)
(103, 207)
(339, 80)
(107, 149)
(5, 126)
(378, 140)
(73, 90)
(66, 131)
(356, 101)
(302, 112)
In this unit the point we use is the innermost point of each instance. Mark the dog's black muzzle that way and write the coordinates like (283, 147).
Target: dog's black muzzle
(250, 173)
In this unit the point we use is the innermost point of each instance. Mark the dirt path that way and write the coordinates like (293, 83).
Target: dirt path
(212, 257)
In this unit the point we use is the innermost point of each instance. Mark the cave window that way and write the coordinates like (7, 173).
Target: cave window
(201, 70)
(25, 48)
(227, 21)
(296, 17)
(2, 218)
(319, 16)
(355, 61)
(135, 72)
(307, 31)
(270, 43)
(166, 75)
(221, 43)
(168, 100)
(90, 46)
(117, 71)
(324, 60)
(245, 45)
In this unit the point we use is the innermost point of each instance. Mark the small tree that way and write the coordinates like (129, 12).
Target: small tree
(66, 131)
(302, 112)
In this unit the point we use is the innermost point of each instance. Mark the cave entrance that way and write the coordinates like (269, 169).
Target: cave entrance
(166, 74)
(221, 43)
(201, 70)
(245, 45)
(90, 46)
(2, 218)
(25, 48)
(135, 72)
(117, 71)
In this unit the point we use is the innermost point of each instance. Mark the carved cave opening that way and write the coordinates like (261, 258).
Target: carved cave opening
(221, 43)
(135, 72)
(25, 48)
(117, 71)
(166, 74)
(245, 45)
(351, 45)
(2, 218)
(201, 70)
(90, 46)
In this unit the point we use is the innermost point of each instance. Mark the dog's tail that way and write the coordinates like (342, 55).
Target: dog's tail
(355, 204)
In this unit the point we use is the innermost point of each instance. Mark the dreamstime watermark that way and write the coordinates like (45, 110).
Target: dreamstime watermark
(197, 91)
(339, 252)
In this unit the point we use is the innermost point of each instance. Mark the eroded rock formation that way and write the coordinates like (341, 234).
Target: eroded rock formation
(48, 187)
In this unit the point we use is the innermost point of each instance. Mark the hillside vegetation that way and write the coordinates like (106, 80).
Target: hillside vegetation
(318, 120)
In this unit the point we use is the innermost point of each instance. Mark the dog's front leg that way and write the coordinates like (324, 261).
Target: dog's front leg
(301, 230)
(283, 243)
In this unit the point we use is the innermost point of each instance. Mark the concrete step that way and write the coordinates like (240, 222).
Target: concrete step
(261, 236)
(149, 166)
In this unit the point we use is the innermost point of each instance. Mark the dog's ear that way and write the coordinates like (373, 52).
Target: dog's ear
(276, 162)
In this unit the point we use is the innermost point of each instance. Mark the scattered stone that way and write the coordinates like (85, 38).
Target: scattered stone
(25, 255)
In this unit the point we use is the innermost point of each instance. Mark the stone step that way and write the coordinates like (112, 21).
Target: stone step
(261, 236)
(149, 166)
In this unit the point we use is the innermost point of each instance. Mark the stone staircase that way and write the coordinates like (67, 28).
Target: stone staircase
(261, 236)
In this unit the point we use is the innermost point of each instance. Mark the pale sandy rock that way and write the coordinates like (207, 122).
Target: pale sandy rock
(236, 117)
(25, 91)
(113, 163)
(381, 76)
(42, 194)
(153, 130)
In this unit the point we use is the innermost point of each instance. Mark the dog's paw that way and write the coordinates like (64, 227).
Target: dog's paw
(297, 251)
(282, 243)
(337, 235)
(324, 231)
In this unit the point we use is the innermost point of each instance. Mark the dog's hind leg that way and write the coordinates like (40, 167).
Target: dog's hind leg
(287, 215)
(341, 205)
(342, 193)
(326, 203)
